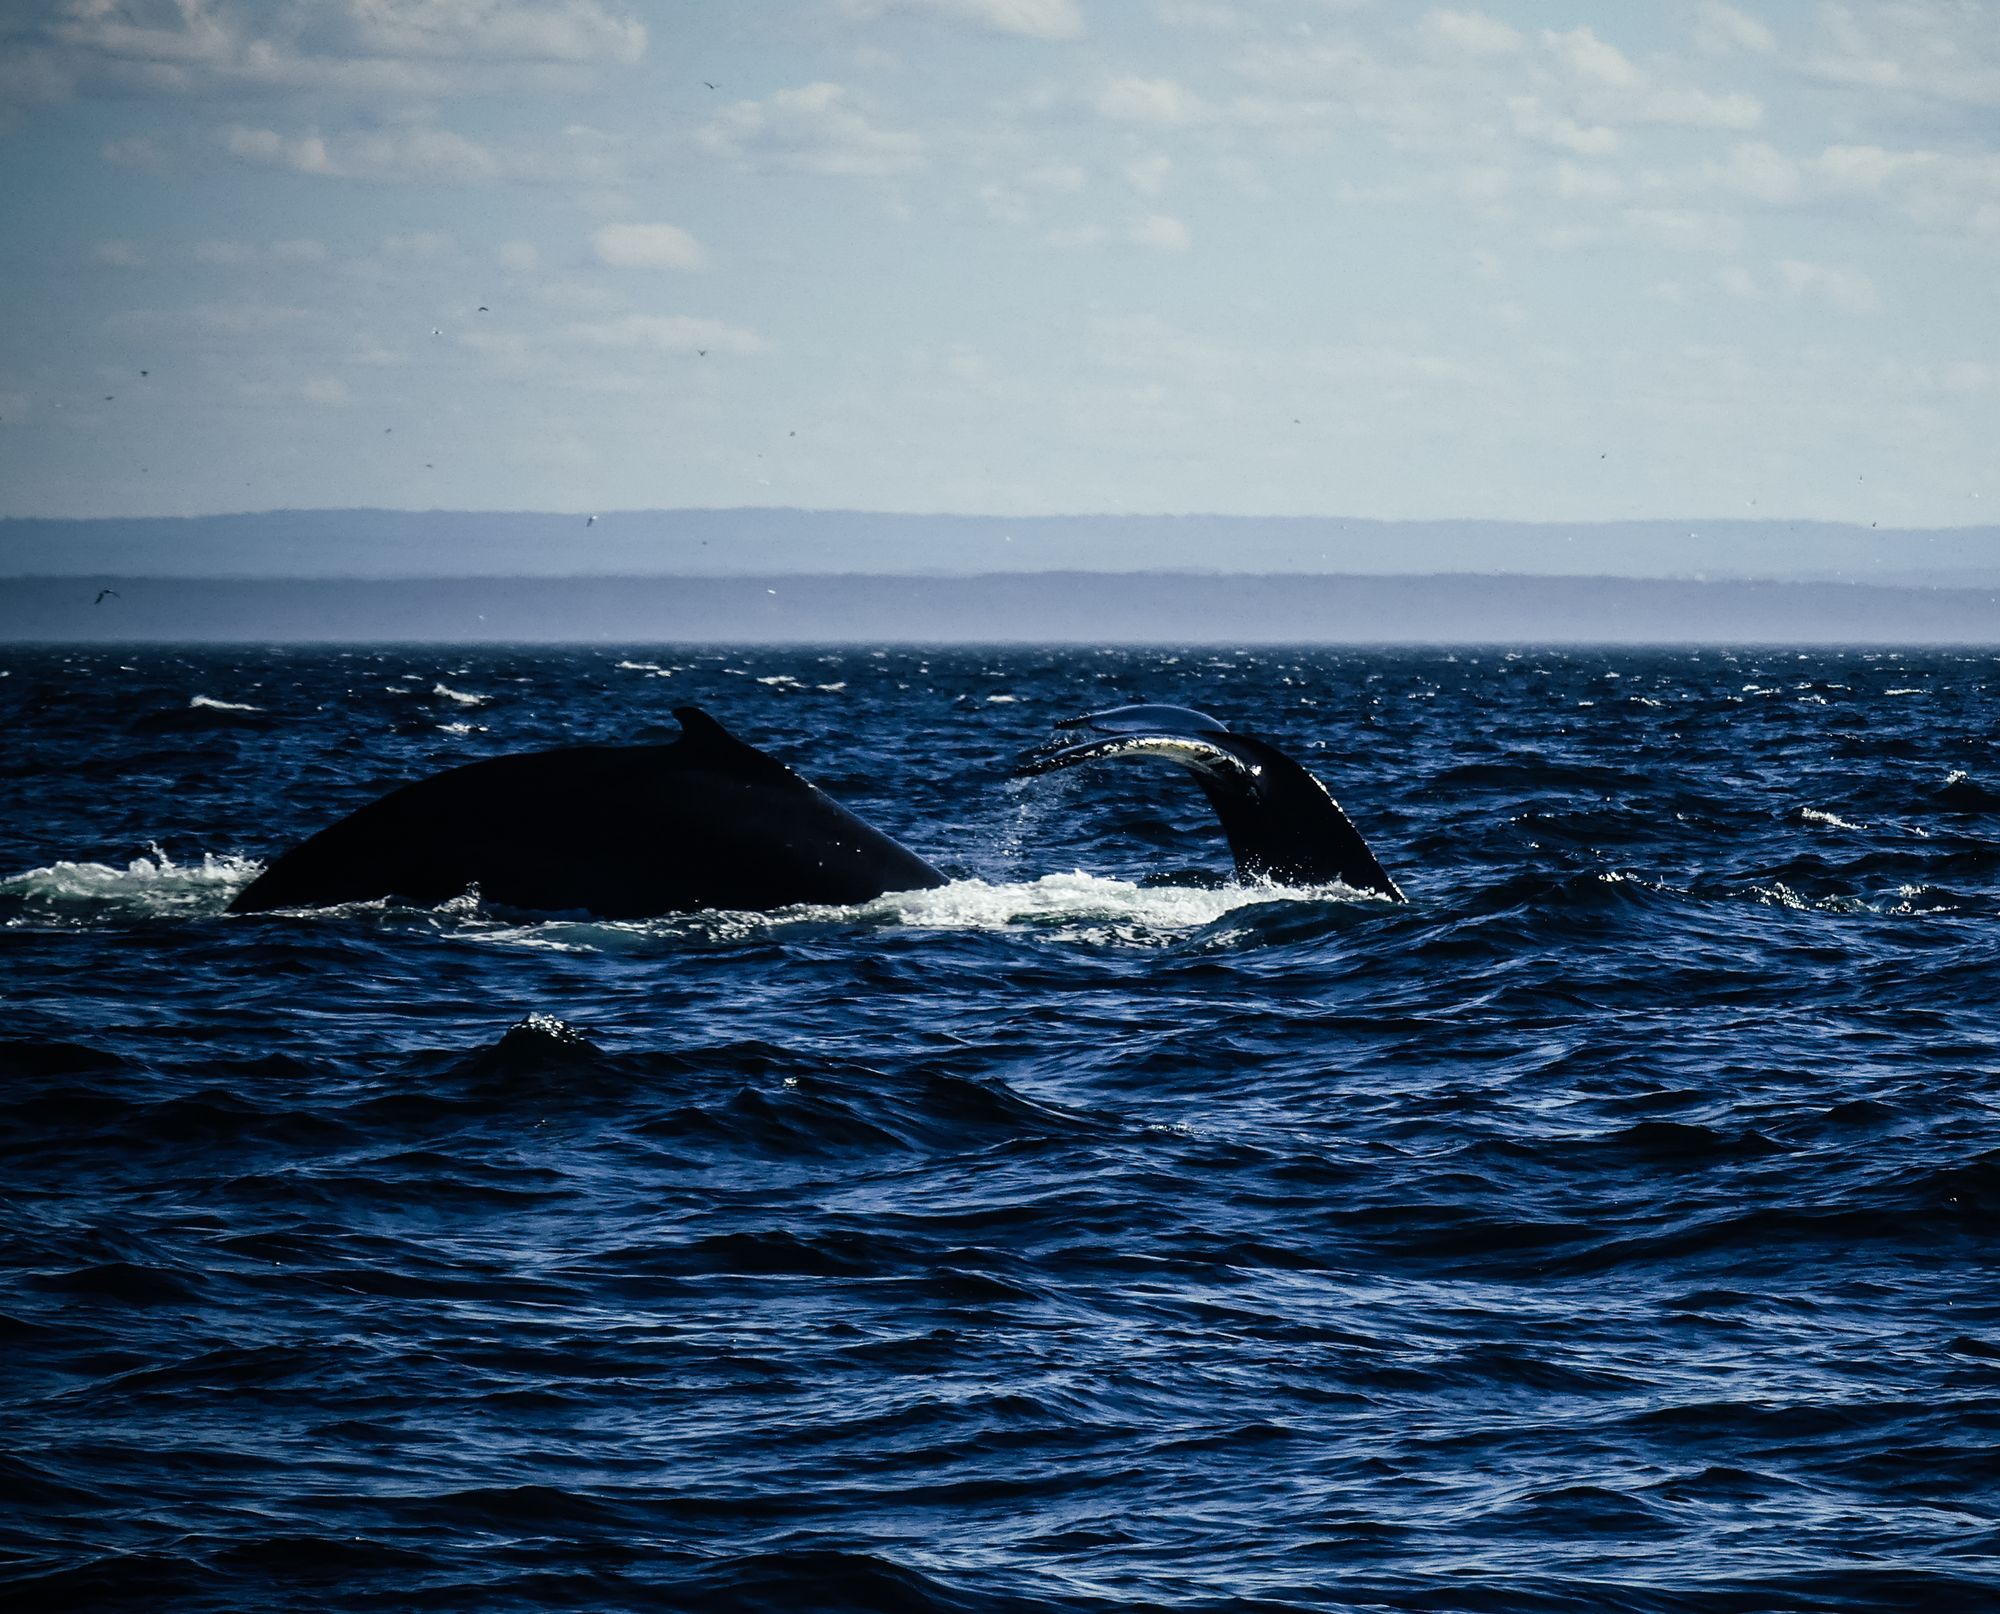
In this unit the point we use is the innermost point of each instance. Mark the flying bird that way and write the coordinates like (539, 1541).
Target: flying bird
(701, 352)
(104, 594)
(484, 309)
(711, 86)
(590, 521)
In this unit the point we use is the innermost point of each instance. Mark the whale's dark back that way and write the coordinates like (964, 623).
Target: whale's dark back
(621, 832)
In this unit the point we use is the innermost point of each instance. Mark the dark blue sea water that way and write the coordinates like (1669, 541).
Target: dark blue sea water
(1613, 1227)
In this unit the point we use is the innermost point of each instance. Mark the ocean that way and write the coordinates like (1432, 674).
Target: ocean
(1612, 1227)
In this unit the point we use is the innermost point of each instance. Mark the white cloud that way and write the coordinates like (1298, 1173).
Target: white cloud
(1204, 365)
(1760, 172)
(1952, 192)
(1927, 50)
(647, 246)
(402, 48)
(1473, 32)
(239, 318)
(1575, 183)
(1148, 175)
(1483, 185)
(413, 153)
(1157, 101)
(1684, 229)
(1738, 282)
(1034, 19)
(1694, 108)
(1608, 86)
(819, 128)
(328, 390)
(135, 151)
(422, 245)
(1721, 29)
(1842, 287)
(1009, 203)
(1587, 57)
(1009, 206)
(117, 254)
(1869, 168)
(368, 350)
(234, 254)
(221, 254)
(1062, 179)
(519, 256)
(1204, 14)
(1533, 121)
(503, 30)
(1162, 233)
(669, 333)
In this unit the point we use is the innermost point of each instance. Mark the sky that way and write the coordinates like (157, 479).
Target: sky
(1540, 262)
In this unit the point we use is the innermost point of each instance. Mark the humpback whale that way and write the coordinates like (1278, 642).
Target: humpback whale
(707, 821)
(620, 832)
(1282, 823)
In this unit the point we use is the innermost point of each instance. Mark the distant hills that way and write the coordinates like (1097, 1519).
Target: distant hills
(767, 542)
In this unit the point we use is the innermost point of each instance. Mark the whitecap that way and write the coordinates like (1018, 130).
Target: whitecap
(1076, 907)
(459, 695)
(1812, 815)
(214, 705)
(153, 886)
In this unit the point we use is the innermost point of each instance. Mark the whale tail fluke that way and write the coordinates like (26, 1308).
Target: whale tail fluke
(1281, 822)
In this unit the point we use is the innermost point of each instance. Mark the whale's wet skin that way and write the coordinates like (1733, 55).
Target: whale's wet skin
(1612, 1224)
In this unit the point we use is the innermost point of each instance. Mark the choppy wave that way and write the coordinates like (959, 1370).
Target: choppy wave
(152, 886)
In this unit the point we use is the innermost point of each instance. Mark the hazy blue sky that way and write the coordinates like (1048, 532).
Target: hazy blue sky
(1539, 261)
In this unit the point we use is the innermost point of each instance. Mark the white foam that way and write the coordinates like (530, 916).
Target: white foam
(1812, 815)
(1076, 907)
(215, 705)
(460, 696)
(154, 886)
(1083, 908)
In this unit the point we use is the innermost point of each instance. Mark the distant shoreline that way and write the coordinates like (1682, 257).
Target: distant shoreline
(1049, 607)
(723, 543)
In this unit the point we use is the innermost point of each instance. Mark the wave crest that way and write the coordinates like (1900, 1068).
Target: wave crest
(153, 886)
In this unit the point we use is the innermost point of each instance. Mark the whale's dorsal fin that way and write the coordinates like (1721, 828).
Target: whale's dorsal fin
(706, 741)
